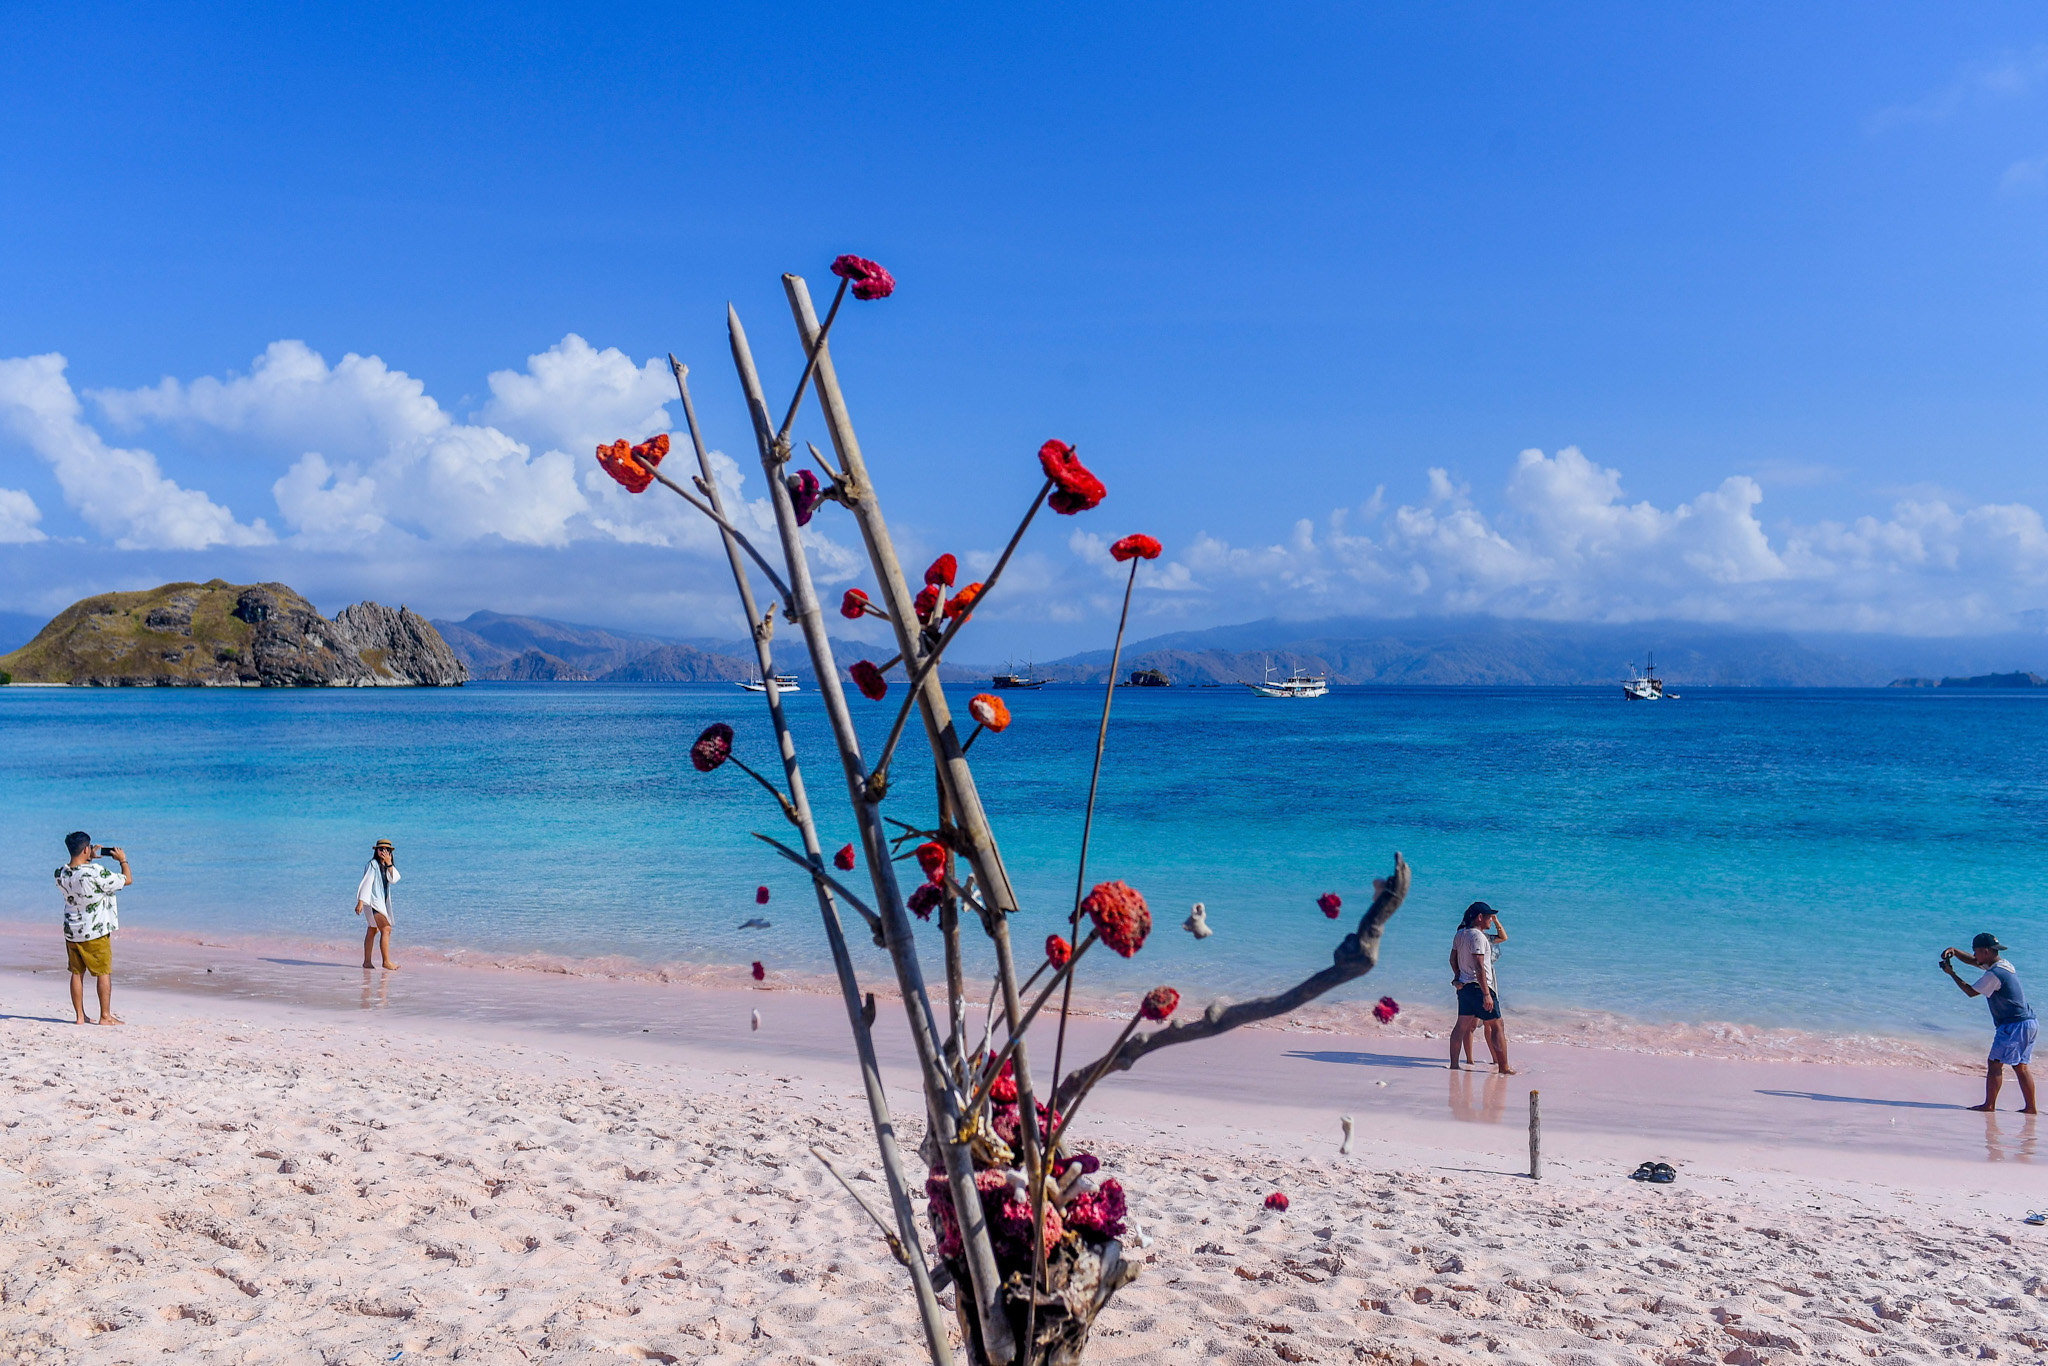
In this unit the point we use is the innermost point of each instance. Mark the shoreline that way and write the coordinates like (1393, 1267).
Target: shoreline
(1583, 1028)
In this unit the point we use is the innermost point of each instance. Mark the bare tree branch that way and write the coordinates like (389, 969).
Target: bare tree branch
(1357, 955)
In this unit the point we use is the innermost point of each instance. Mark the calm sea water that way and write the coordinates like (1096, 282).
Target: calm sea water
(1774, 858)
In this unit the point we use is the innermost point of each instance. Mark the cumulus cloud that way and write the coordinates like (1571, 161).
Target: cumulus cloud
(369, 458)
(1566, 544)
(119, 492)
(18, 517)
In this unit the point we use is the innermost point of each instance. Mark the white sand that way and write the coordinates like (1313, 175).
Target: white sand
(231, 1181)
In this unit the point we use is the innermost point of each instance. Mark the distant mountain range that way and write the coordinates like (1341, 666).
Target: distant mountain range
(1492, 651)
(1413, 652)
(536, 649)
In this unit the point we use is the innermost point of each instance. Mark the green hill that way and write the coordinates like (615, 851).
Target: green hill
(222, 634)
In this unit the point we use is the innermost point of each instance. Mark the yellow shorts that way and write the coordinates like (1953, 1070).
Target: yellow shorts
(95, 956)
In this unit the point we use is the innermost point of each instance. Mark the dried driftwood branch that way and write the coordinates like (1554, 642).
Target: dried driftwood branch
(941, 1093)
(797, 804)
(1355, 956)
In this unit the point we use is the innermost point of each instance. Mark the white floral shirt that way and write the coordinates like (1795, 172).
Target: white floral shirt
(89, 909)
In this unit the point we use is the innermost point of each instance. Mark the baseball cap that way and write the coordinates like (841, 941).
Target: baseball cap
(1986, 941)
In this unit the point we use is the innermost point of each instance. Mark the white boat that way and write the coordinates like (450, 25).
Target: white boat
(1298, 683)
(1645, 686)
(784, 683)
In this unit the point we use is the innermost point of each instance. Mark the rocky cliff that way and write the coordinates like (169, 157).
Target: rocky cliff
(222, 634)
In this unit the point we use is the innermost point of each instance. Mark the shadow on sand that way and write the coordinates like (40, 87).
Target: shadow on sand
(1366, 1059)
(1864, 1100)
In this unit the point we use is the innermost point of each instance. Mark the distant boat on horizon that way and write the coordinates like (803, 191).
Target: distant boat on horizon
(1298, 683)
(1013, 679)
(784, 683)
(1645, 686)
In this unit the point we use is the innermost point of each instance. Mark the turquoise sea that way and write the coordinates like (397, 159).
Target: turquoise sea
(1786, 859)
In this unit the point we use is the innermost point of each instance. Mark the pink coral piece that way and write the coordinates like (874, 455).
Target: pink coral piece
(1277, 1201)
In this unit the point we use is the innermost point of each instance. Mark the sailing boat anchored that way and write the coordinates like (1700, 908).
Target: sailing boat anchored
(1298, 683)
(1645, 686)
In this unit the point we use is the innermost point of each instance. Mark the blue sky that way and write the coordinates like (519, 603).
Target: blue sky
(1582, 312)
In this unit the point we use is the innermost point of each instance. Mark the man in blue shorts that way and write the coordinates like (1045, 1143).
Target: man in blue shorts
(2011, 1017)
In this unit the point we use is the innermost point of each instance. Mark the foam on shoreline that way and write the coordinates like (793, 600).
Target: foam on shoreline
(1575, 1027)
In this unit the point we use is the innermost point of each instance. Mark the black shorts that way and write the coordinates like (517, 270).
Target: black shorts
(1472, 996)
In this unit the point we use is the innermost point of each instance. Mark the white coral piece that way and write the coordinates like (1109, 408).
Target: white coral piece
(1345, 1149)
(1197, 923)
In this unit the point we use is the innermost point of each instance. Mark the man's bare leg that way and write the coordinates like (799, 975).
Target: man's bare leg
(1497, 1044)
(2026, 1076)
(107, 1015)
(1461, 1035)
(1994, 1077)
(78, 998)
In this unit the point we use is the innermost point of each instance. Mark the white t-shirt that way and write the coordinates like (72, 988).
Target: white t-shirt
(371, 890)
(1990, 983)
(1473, 949)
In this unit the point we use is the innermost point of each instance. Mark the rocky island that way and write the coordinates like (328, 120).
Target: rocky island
(220, 634)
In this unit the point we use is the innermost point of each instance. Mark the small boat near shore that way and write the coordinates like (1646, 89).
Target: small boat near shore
(784, 683)
(1298, 683)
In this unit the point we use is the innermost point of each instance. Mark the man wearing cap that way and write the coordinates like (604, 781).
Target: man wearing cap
(90, 918)
(1479, 935)
(2011, 1017)
(373, 902)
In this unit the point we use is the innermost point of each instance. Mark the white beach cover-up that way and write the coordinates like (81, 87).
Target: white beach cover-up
(372, 892)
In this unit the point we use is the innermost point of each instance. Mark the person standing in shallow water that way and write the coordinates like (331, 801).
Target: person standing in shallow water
(2012, 1019)
(1472, 948)
(373, 902)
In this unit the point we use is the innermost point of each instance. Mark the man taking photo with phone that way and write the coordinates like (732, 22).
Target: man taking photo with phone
(90, 919)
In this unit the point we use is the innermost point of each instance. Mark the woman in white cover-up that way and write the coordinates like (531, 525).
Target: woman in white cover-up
(373, 901)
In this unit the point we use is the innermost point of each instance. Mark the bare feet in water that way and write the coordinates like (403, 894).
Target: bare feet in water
(391, 967)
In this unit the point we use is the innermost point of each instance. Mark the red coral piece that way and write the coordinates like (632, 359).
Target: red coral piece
(1135, 547)
(633, 466)
(927, 601)
(760, 973)
(1078, 490)
(1159, 1003)
(760, 896)
(1003, 1090)
(931, 856)
(990, 711)
(1386, 1010)
(1058, 951)
(944, 570)
(1277, 1201)
(713, 747)
(1331, 904)
(924, 901)
(843, 860)
(962, 602)
(805, 493)
(854, 605)
(870, 281)
(869, 680)
(1100, 1213)
(1121, 916)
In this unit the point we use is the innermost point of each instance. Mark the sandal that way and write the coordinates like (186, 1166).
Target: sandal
(2035, 1217)
(1644, 1172)
(1663, 1174)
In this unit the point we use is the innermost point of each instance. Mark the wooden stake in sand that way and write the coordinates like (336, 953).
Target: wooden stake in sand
(1535, 1138)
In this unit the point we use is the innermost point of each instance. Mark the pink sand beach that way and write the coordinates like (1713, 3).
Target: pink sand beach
(284, 1158)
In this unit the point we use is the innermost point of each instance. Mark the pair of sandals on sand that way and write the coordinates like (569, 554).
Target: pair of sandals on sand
(1657, 1173)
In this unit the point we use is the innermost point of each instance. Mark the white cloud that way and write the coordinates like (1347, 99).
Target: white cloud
(120, 492)
(2008, 76)
(1566, 545)
(374, 457)
(18, 517)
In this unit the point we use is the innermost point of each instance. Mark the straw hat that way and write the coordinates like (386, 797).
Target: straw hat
(383, 844)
